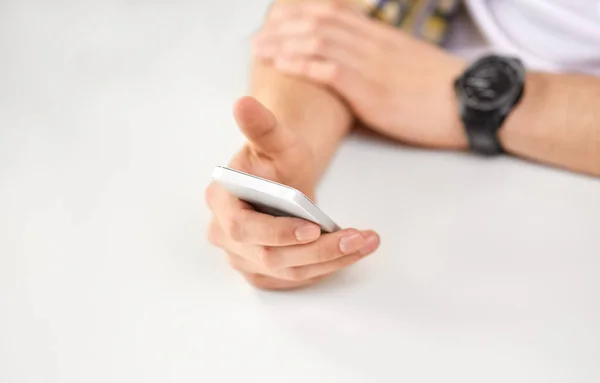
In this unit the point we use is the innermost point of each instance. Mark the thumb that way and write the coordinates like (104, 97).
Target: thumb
(261, 128)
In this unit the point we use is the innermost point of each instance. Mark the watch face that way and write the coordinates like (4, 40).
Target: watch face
(490, 83)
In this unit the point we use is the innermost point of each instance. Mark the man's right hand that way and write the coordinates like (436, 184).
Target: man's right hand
(278, 252)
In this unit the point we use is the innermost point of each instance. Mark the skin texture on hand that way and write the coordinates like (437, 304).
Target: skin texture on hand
(402, 87)
(395, 84)
(278, 252)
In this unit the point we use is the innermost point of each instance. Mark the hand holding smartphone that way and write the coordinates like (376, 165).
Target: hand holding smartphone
(272, 198)
(287, 242)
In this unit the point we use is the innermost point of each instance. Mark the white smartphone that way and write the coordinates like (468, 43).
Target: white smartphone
(271, 197)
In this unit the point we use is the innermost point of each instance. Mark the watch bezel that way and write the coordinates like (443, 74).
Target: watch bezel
(516, 76)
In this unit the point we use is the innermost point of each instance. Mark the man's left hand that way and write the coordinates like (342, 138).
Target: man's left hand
(396, 84)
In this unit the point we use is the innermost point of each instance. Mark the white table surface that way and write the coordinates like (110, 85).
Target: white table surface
(112, 115)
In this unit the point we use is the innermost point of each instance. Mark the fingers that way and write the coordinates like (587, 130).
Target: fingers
(328, 248)
(253, 276)
(242, 224)
(303, 273)
(280, 252)
(324, 72)
(329, 254)
(269, 283)
(314, 35)
(334, 255)
(324, 13)
(305, 37)
(312, 46)
(323, 43)
(260, 126)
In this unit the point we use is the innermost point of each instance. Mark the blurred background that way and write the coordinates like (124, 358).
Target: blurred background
(113, 114)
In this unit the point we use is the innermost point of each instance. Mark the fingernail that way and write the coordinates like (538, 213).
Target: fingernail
(351, 243)
(308, 232)
(370, 245)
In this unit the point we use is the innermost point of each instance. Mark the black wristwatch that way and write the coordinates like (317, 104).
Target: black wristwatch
(487, 92)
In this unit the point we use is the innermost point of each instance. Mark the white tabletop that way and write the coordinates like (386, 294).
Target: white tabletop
(112, 116)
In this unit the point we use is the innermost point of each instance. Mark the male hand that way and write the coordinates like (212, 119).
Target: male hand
(278, 252)
(396, 84)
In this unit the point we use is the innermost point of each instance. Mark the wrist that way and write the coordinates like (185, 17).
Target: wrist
(454, 135)
(524, 114)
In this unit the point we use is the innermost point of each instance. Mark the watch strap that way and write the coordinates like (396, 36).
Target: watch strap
(482, 132)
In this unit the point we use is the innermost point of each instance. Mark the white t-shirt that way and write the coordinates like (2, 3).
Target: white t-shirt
(551, 35)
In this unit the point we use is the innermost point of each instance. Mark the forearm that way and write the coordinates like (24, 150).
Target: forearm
(312, 110)
(319, 116)
(557, 122)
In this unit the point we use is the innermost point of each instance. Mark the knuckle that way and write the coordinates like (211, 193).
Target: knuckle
(280, 233)
(272, 233)
(295, 274)
(268, 258)
(253, 279)
(281, 237)
(234, 229)
(318, 46)
(259, 281)
(321, 253)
